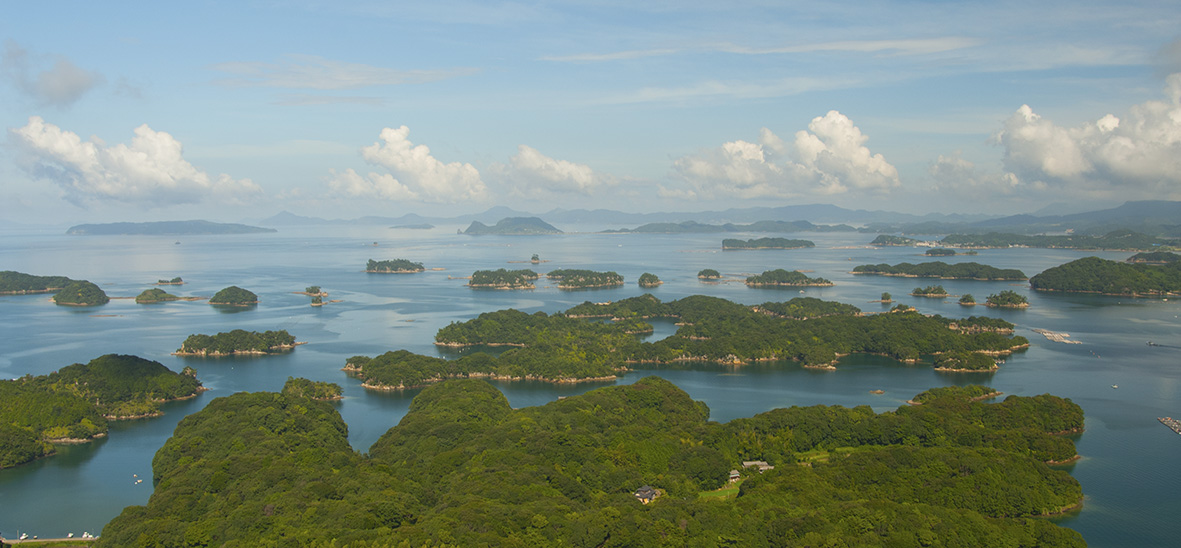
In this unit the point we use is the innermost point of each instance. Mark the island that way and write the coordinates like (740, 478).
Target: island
(155, 295)
(81, 293)
(933, 291)
(942, 270)
(694, 227)
(393, 266)
(889, 240)
(967, 299)
(709, 274)
(299, 387)
(19, 283)
(174, 281)
(234, 296)
(766, 243)
(74, 404)
(259, 469)
(1154, 257)
(965, 362)
(1095, 275)
(238, 341)
(940, 252)
(1122, 240)
(785, 278)
(503, 279)
(513, 226)
(1007, 299)
(573, 278)
(165, 228)
(648, 279)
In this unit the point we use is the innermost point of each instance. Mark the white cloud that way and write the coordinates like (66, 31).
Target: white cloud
(414, 173)
(613, 56)
(529, 171)
(151, 171)
(913, 46)
(829, 158)
(61, 84)
(1137, 156)
(955, 175)
(313, 72)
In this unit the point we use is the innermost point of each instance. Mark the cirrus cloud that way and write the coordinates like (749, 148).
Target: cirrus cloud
(830, 157)
(150, 171)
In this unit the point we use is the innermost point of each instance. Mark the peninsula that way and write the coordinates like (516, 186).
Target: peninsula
(73, 404)
(563, 473)
(1095, 275)
(19, 283)
(165, 228)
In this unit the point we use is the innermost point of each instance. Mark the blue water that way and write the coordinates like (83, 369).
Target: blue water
(1127, 470)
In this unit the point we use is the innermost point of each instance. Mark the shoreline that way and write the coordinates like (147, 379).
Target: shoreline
(205, 353)
(891, 275)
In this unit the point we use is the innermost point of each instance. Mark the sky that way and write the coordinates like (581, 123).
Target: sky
(229, 111)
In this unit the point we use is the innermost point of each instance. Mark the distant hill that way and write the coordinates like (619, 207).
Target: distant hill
(513, 226)
(165, 228)
(760, 226)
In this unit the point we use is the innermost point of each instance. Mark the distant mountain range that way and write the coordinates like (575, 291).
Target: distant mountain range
(515, 226)
(165, 228)
(1154, 217)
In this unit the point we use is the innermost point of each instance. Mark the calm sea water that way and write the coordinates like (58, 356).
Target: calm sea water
(1128, 470)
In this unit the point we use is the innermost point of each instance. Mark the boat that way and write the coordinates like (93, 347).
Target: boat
(1115, 386)
(1173, 424)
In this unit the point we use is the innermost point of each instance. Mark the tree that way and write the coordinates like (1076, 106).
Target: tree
(886, 297)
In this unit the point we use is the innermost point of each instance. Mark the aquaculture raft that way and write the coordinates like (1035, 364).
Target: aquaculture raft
(1173, 424)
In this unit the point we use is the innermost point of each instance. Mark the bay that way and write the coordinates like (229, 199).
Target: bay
(1127, 470)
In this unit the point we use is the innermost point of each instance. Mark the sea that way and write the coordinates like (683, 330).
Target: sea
(1129, 468)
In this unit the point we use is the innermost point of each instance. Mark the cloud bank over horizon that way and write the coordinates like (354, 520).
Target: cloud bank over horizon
(151, 171)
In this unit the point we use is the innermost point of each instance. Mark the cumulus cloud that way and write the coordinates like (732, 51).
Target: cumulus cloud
(1139, 155)
(150, 171)
(413, 173)
(49, 81)
(956, 175)
(830, 157)
(529, 171)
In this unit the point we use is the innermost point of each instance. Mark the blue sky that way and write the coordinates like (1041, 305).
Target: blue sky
(238, 110)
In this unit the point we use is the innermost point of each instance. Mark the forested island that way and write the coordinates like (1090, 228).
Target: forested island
(889, 240)
(73, 404)
(964, 362)
(234, 296)
(574, 347)
(1095, 275)
(393, 266)
(648, 279)
(766, 243)
(513, 226)
(1154, 257)
(1007, 299)
(464, 468)
(785, 278)
(935, 291)
(81, 293)
(317, 390)
(19, 283)
(238, 341)
(174, 281)
(573, 278)
(942, 270)
(155, 295)
(165, 228)
(694, 227)
(709, 274)
(1116, 240)
(503, 279)
(944, 252)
